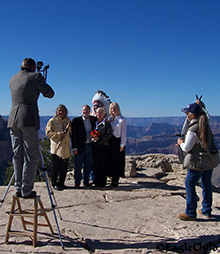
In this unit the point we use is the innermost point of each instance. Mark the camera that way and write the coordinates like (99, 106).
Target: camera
(40, 65)
(44, 70)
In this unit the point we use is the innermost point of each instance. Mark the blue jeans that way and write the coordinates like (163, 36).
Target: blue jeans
(25, 145)
(83, 161)
(206, 184)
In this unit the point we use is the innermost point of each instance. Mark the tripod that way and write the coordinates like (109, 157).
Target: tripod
(50, 192)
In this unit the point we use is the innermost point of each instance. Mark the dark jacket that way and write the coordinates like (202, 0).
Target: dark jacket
(200, 158)
(79, 136)
(105, 133)
(25, 89)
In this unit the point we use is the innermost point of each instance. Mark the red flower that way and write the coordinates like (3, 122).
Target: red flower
(94, 133)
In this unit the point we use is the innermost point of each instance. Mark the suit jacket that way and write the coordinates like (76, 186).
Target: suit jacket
(25, 89)
(105, 133)
(79, 135)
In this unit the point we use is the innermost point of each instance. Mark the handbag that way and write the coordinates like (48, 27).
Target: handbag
(211, 160)
(181, 154)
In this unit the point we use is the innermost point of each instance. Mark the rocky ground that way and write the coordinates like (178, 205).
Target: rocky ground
(139, 216)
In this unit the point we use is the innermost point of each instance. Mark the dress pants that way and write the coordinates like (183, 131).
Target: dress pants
(25, 145)
(58, 170)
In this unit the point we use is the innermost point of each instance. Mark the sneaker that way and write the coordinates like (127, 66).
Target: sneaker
(31, 195)
(183, 216)
(59, 188)
(77, 186)
(207, 216)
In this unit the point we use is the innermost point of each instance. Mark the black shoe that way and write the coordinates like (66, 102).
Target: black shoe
(18, 194)
(114, 184)
(87, 185)
(31, 195)
(100, 185)
(64, 187)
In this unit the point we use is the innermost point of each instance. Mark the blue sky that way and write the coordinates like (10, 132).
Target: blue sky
(150, 56)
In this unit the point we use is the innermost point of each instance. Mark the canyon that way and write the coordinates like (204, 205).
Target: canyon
(144, 135)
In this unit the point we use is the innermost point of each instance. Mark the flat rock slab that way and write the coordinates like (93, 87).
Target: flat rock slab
(139, 216)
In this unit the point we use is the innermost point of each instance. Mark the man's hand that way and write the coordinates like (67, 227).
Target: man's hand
(75, 151)
(199, 103)
(96, 138)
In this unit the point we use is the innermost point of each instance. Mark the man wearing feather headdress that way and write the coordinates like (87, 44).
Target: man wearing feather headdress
(100, 99)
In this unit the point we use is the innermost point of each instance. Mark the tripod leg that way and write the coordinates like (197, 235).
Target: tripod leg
(52, 194)
(53, 208)
(51, 201)
(6, 191)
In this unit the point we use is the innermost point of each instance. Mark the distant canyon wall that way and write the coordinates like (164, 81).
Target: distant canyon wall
(5, 141)
(5, 149)
(144, 135)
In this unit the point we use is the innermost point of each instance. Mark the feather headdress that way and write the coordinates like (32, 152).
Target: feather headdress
(101, 100)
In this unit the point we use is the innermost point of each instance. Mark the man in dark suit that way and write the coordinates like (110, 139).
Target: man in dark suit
(81, 144)
(24, 123)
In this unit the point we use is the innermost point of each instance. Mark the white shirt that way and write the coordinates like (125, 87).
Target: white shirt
(97, 123)
(119, 128)
(88, 128)
(190, 141)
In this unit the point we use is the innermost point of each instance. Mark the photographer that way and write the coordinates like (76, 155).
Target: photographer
(24, 123)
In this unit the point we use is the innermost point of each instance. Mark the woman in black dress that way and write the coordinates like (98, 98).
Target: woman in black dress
(100, 147)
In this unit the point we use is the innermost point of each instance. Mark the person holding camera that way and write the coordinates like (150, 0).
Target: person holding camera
(24, 123)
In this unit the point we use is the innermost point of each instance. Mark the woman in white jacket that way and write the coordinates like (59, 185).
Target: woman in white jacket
(58, 129)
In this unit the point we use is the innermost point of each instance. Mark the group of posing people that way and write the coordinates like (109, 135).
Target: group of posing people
(98, 144)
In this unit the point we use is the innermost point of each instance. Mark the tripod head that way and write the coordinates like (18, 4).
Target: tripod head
(44, 70)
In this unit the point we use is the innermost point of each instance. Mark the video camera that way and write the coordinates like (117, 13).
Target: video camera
(44, 70)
